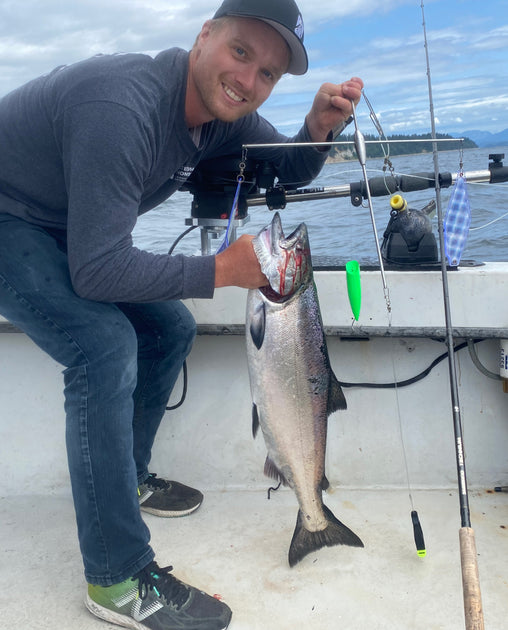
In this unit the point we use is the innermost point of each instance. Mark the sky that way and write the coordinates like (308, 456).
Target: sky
(381, 42)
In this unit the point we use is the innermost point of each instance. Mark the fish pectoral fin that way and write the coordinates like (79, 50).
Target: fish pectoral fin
(336, 398)
(305, 542)
(273, 472)
(255, 420)
(257, 325)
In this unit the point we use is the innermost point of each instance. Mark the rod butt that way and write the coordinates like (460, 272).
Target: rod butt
(473, 610)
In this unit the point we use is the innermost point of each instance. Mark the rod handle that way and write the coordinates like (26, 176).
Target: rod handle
(473, 611)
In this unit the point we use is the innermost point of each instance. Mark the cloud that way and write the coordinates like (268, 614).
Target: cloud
(315, 13)
(381, 42)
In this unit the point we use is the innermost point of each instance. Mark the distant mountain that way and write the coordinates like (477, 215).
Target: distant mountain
(485, 138)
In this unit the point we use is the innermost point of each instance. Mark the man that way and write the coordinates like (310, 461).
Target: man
(85, 150)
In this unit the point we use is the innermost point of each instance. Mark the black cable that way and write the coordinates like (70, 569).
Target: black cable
(405, 383)
(412, 380)
(172, 248)
(184, 392)
(184, 367)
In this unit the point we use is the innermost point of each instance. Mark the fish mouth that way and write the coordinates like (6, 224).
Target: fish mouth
(297, 240)
(272, 296)
(279, 244)
(283, 260)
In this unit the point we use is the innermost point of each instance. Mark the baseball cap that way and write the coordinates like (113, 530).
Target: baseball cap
(283, 15)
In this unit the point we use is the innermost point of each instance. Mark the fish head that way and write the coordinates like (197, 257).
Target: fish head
(286, 262)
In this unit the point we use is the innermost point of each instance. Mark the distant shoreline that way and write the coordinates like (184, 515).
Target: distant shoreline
(337, 159)
(411, 144)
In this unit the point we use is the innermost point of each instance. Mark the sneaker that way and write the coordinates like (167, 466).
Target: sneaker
(155, 600)
(167, 498)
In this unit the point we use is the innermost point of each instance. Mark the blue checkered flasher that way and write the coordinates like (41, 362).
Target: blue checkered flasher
(456, 223)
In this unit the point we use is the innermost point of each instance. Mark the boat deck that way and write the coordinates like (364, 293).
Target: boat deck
(236, 545)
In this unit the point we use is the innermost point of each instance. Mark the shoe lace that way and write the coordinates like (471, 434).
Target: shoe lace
(160, 580)
(156, 483)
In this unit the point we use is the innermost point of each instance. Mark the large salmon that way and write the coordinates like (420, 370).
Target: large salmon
(293, 386)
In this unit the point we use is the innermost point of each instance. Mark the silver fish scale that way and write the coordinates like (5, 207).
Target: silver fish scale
(293, 386)
(290, 378)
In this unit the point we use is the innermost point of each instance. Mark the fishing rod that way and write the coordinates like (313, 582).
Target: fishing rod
(469, 562)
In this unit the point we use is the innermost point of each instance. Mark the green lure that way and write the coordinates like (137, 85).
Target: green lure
(354, 288)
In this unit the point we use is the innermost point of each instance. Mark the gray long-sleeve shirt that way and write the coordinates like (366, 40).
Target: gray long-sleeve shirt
(90, 146)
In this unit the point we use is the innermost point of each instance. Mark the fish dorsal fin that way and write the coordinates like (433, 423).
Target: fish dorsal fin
(257, 325)
(255, 420)
(336, 398)
(273, 472)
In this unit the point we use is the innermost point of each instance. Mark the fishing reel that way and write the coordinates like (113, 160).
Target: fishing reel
(408, 238)
(214, 187)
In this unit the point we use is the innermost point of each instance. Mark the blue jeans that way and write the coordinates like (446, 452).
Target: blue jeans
(121, 362)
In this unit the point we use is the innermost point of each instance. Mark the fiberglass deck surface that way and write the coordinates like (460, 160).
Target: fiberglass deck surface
(236, 545)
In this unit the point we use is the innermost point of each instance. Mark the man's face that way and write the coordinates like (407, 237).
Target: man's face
(233, 69)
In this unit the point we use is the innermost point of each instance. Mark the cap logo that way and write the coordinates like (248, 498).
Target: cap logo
(299, 27)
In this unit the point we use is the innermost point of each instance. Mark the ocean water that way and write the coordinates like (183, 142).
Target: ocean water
(337, 228)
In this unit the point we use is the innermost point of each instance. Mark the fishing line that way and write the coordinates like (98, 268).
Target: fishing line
(386, 152)
(417, 528)
(362, 158)
(234, 209)
(489, 223)
(399, 415)
(404, 453)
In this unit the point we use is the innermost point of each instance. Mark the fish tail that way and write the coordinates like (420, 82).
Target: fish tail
(305, 542)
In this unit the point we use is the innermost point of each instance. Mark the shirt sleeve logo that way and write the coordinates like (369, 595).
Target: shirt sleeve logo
(183, 173)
